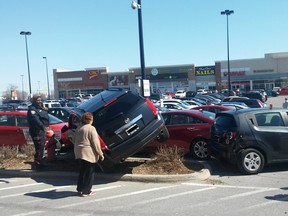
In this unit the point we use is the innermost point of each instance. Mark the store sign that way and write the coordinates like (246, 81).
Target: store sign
(235, 73)
(93, 74)
(205, 71)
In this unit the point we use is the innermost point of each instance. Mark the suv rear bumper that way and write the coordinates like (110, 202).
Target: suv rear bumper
(156, 129)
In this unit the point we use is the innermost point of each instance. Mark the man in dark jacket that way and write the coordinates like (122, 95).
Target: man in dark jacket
(38, 124)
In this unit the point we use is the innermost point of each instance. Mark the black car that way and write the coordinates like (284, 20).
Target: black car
(250, 138)
(256, 95)
(250, 102)
(62, 113)
(125, 121)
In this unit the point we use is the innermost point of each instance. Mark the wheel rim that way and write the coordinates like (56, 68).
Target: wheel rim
(200, 149)
(252, 161)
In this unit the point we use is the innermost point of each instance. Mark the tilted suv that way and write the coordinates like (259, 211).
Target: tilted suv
(125, 121)
(250, 138)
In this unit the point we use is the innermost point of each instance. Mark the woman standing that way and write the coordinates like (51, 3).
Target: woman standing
(88, 151)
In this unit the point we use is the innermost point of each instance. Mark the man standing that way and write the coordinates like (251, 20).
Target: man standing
(285, 104)
(38, 120)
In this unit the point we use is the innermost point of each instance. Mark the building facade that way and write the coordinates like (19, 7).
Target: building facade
(245, 74)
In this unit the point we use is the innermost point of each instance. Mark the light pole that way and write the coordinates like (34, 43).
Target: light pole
(29, 78)
(227, 13)
(22, 87)
(137, 6)
(47, 77)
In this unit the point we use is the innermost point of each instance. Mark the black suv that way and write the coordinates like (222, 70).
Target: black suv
(250, 138)
(125, 121)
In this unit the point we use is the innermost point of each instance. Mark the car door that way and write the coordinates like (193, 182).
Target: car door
(10, 134)
(271, 133)
(183, 129)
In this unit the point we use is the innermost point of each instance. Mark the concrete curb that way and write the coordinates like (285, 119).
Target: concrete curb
(197, 175)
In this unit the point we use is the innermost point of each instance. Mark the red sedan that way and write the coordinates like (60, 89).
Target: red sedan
(189, 130)
(212, 108)
(14, 129)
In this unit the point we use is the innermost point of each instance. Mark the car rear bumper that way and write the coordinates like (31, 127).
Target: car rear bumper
(156, 129)
(221, 152)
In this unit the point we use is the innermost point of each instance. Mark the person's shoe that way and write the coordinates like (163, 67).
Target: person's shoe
(90, 194)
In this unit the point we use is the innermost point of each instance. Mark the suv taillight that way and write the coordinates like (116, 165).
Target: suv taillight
(151, 106)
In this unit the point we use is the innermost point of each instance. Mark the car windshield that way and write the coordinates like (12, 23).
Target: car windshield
(53, 120)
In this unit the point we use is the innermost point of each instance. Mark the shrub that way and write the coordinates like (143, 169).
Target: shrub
(168, 154)
(8, 152)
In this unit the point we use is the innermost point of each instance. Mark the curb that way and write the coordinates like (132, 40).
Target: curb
(202, 174)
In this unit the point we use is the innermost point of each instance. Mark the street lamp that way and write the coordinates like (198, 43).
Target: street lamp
(227, 13)
(47, 77)
(25, 34)
(22, 87)
(137, 6)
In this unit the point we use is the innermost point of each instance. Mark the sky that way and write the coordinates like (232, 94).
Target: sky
(79, 34)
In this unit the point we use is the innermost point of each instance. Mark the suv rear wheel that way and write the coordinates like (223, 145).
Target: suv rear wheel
(250, 161)
(199, 149)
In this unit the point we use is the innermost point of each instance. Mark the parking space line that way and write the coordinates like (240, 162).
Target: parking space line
(28, 213)
(168, 197)
(117, 196)
(20, 186)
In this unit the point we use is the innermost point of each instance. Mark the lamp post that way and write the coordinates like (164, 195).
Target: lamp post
(137, 6)
(22, 87)
(227, 13)
(47, 77)
(25, 34)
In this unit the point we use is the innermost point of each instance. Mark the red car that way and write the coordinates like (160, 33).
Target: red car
(212, 108)
(14, 129)
(284, 91)
(189, 130)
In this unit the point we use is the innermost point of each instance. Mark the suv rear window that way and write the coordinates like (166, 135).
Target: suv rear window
(225, 121)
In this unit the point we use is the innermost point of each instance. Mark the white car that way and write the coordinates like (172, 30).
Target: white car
(180, 94)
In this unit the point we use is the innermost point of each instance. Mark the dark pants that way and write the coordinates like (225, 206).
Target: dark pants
(39, 144)
(86, 176)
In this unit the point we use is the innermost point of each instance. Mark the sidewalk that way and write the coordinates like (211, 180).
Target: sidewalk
(202, 174)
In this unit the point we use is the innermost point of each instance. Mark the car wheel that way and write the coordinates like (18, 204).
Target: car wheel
(199, 149)
(250, 161)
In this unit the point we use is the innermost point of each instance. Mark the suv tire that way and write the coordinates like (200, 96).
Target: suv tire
(199, 149)
(250, 161)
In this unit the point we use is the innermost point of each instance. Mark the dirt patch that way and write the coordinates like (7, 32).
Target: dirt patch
(130, 166)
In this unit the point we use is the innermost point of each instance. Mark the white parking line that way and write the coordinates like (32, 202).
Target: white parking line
(116, 196)
(19, 186)
(168, 197)
(28, 213)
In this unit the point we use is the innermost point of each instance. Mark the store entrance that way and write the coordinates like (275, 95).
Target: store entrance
(269, 85)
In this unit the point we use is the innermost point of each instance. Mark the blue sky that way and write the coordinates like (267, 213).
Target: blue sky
(79, 34)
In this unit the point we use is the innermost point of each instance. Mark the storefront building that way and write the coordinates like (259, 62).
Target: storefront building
(67, 84)
(265, 73)
(246, 74)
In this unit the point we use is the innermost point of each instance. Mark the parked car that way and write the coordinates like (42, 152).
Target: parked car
(272, 93)
(263, 92)
(62, 113)
(189, 130)
(250, 138)
(250, 102)
(180, 94)
(14, 129)
(213, 108)
(49, 104)
(124, 120)
(236, 105)
(175, 106)
(256, 95)
(284, 91)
